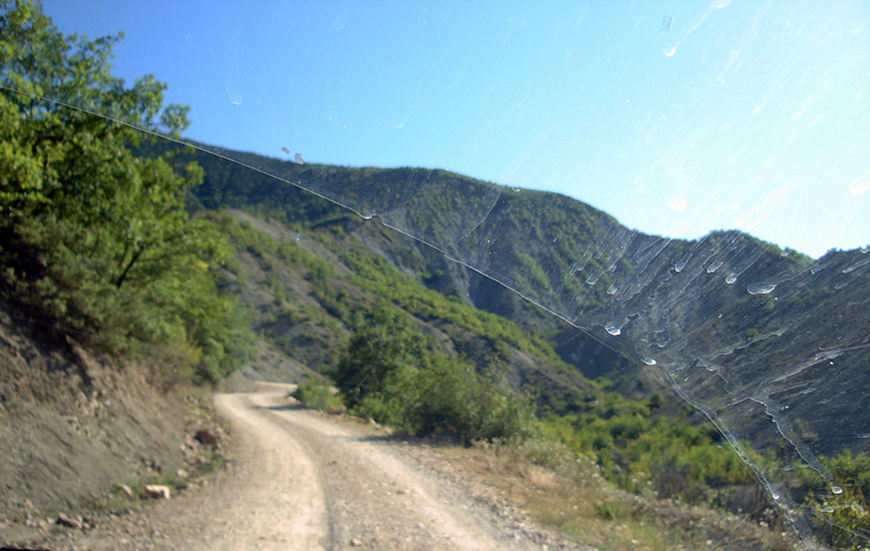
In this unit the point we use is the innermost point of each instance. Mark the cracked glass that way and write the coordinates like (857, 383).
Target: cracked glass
(715, 156)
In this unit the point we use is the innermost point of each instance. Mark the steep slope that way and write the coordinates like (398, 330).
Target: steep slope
(231, 185)
(738, 327)
(72, 424)
(306, 288)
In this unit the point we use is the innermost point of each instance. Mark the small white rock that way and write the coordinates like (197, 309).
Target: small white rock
(157, 491)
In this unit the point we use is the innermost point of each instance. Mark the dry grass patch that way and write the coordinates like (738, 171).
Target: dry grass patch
(568, 494)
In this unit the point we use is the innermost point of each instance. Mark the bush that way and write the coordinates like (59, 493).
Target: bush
(317, 393)
(389, 374)
(453, 397)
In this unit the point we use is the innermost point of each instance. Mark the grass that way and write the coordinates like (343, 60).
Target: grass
(568, 494)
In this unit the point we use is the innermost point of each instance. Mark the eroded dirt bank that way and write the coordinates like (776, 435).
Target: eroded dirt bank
(72, 424)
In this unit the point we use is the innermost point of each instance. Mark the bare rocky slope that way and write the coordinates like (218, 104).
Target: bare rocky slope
(74, 424)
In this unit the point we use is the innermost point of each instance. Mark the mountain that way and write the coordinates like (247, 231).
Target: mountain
(744, 331)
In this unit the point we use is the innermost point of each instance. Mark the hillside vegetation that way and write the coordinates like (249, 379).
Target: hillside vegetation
(143, 248)
(96, 240)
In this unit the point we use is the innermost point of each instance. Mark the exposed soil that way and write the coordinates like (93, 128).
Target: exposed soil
(73, 424)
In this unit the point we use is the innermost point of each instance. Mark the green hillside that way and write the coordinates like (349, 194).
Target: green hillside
(145, 249)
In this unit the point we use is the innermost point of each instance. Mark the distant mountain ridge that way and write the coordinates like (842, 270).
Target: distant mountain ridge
(740, 328)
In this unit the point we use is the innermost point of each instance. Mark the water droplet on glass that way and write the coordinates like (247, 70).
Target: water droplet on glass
(613, 330)
(839, 286)
(648, 361)
(235, 97)
(837, 490)
(592, 280)
(760, 288)
(827, 509)
(659, 338)
(776, 496)
(730, 279)
(714, 266)
(857, 265)
(516, 189)
(613, 289)
(678, 267)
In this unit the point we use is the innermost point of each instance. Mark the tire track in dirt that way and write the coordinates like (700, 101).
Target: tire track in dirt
(281, 507)
(375, 496)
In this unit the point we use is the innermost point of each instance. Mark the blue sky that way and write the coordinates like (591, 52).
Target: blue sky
(746, 114)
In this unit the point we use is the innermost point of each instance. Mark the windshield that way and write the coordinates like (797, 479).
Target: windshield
(715, 154)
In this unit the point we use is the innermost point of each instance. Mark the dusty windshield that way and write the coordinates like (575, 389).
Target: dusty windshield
(708, 163)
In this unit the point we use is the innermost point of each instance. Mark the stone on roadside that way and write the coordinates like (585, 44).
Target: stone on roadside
(209, 437)
(68, 521)
(157, 491)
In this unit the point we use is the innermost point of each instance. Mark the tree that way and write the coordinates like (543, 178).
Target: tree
(380, 347)
(92, 236)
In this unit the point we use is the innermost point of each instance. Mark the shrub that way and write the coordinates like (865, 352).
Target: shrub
(316, 393)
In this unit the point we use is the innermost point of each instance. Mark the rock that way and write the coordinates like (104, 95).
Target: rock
(336, 410)
(126, 489)
(355, 542)
(69, 522)
(152, 463)
(181, 473)
(157, 491)
(209, 437)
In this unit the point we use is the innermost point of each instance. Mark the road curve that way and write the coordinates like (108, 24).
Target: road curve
(299, 480)
(325, 485)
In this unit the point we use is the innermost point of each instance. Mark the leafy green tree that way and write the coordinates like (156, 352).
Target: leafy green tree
(92, 236)
(380, 347)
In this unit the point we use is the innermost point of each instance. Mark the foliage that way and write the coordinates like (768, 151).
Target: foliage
(845, 518)
(95, 238)
(379, 348)
(843, 515)
(639, 451)
(316, 393)
(390, 374)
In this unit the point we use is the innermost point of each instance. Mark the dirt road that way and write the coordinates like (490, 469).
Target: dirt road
(299, 480)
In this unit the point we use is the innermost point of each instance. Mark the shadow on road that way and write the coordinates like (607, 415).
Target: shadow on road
(289, 407)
